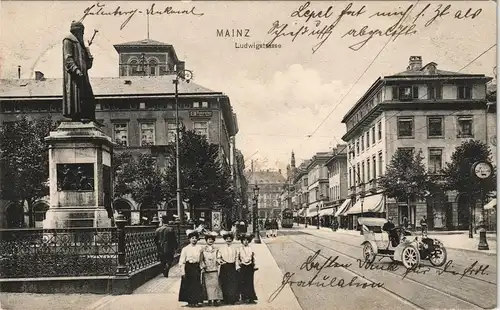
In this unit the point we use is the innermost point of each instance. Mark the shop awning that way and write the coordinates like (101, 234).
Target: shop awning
(343, 207)
(327, 211)
(491, 205)
(374, 204)
(312, 209)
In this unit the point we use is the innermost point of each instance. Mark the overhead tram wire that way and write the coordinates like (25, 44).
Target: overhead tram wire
(417, 129)
(359, 78)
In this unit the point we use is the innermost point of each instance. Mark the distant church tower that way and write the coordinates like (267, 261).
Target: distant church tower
(292, 161)
(147, 58)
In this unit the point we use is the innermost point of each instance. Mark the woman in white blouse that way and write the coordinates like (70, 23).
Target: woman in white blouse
(228, 275)
(189, 262)
(246, 261)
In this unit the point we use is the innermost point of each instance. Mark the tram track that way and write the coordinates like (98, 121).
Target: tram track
(427, 265)
(384, 289)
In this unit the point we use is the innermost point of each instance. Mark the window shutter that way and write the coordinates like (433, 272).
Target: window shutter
(415, 92)
(394, 93)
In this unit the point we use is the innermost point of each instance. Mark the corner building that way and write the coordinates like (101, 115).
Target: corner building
(422, 108)
(137, 109)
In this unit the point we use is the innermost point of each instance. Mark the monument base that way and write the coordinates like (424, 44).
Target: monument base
(76, 217)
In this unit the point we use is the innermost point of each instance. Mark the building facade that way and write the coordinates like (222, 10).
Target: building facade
(337, 185)
(270, 185)
(317, 176)
(421, 109)
(137, 109)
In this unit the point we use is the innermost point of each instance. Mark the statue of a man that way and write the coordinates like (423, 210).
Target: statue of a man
(78, 97)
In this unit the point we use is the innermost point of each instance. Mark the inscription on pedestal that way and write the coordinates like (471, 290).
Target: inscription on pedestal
(75, 177)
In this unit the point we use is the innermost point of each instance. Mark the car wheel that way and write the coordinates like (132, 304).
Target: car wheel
(368, 253)
(438, 257)
(410, 257)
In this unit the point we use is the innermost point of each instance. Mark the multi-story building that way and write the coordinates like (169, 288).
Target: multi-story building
(421, 109)
(270, 185)
(317, 176)
(338, 200)
(300, 200)
(137, 109)
(287, 197)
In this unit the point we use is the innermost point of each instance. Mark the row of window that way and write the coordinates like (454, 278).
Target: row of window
(434, 91)
(372, 166)
(435, 127)
(368, 170)
(334, 192)
(365, 140)
(16, 107)
(148, 132)
(408, 93)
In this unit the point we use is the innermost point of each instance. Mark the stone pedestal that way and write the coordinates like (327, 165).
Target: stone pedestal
(80, 176)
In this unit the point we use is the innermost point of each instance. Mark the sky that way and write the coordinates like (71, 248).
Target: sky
(291, 97)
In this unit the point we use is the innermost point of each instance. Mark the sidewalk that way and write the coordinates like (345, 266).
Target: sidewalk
(458, 240)
(162, 293)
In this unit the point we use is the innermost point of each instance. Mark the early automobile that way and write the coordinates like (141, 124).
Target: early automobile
(405, 248)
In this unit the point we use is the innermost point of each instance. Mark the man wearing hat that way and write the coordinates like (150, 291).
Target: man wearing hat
(166, 243)
(390, 228)
(78, 97)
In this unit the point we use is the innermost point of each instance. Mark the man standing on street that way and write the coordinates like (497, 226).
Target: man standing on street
(166, 243)
(423, 224)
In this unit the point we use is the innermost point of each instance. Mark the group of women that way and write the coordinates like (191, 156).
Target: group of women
(224, 274)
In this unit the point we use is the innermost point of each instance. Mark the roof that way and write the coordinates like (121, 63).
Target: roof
(264, 177)
(143, 42)
(102, 86)
(429, 71)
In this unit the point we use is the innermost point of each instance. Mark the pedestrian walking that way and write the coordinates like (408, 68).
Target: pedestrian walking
(228, 275)
(267, 226)
(423, 225)
(166, 243)
(246, 260)
(210, 271)
(274, 228)
(189, 262)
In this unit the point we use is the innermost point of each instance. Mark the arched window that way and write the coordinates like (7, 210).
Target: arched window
(134, 67)
(153, 67)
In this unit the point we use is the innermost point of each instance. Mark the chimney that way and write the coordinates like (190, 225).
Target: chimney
(39, 76)
(19, 72)
(415, 63)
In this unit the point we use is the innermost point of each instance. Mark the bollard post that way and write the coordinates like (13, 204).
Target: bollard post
(121, 269)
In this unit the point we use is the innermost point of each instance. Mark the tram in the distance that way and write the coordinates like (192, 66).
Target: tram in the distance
(287, 218)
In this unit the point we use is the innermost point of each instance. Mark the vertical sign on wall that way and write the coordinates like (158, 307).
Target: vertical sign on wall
(216, 220)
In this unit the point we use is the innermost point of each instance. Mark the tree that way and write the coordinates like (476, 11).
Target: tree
(205, 182)
(457, 173)
(140, 177)
(406, 176)
(24, 160)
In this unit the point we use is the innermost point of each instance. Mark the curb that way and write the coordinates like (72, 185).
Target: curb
(278, 267)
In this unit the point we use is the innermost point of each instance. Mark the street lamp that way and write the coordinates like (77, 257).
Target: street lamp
(362, 198)
(256, 214)
(483, 171)
(184, 75)
(305, 215)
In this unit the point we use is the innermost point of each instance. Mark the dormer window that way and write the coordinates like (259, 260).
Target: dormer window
(404, 92)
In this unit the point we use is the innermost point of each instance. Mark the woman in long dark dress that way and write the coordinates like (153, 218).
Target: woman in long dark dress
(228, 275)
(191, 290)
(246, 260)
